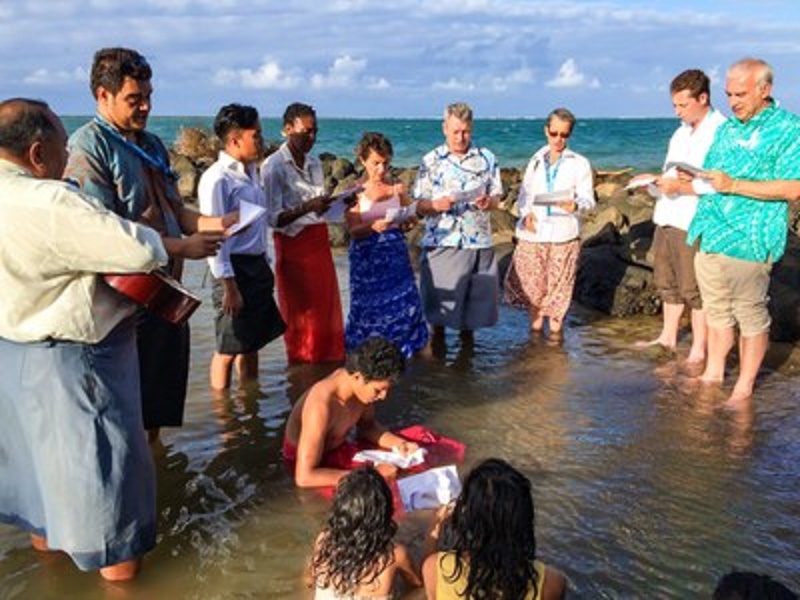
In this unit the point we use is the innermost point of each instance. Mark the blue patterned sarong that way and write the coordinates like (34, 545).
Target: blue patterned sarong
(384, 299)
(74, 462)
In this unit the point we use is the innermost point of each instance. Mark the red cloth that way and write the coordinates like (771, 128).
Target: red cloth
(441, 450)
(308, 296)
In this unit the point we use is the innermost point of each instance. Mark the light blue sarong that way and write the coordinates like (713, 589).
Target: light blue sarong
(74, 462)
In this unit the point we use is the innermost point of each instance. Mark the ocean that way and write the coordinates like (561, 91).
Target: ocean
(609, 144)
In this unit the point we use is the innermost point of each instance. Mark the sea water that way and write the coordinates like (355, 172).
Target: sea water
(645, 488)
(607, 143)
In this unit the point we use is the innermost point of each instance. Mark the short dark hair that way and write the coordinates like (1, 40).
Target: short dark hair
(694, 81)
(372, 140)
(745, 585)
(24, 121)
(112, 65)
(233, 117)
(297, 110)
(377, 359)
(562, 114)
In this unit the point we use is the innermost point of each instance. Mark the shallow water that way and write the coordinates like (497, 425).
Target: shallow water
(644, 488)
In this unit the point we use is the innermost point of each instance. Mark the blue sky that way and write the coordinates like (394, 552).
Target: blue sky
(401, 58)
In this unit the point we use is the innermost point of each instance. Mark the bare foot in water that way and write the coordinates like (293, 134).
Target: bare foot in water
(739, 400)
(123, 571)
(655, 342)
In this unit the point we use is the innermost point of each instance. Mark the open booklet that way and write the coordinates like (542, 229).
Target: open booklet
(554, 198)
(686, 167)
(248, 213)
(641, 181)
(392, 457)
(429, 489)
(401, 215)
(340, 203)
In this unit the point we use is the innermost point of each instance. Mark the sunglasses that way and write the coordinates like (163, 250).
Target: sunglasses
(562, 135)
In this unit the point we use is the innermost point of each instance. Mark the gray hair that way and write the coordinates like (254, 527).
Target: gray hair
(459, 110)
(562, 114)
(762, 69)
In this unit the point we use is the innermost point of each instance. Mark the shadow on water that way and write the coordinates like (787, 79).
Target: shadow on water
(644, 486)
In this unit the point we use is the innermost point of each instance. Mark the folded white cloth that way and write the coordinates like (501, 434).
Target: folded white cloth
(392, 457)
(429, 489)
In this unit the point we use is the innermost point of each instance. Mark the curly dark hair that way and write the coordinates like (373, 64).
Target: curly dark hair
(377, 359)
(111, 66)
(356, 545)
(746, 585)
(491, 533)
(372, 140)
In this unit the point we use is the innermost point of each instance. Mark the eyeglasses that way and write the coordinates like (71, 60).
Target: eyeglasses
(561, 134)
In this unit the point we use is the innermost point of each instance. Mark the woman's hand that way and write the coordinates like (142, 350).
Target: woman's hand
(529, 222)
(381, 225)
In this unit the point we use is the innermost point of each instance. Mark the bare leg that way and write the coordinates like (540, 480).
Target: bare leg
(152, 435)
(537, 318)
(39, 543)
(124, 571)
(720, 342)
(669, 331)
(697, 354)
(247, 367)
(751, 354)
(220, 370)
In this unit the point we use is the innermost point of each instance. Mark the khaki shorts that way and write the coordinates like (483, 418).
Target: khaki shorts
(673, 274)
(734, 292)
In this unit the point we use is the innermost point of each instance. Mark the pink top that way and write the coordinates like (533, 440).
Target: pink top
(371, 210)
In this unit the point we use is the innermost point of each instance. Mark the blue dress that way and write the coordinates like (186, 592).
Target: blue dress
(384, 299)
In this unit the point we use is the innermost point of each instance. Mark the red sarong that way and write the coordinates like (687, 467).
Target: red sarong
(441, 450)
(308, 296)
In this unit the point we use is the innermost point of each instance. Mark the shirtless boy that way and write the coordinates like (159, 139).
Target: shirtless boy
(324, 416)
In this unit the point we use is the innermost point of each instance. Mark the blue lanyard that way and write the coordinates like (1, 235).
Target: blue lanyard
(550, 175)
(153, 161)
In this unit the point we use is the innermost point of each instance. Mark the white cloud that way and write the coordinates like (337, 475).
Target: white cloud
(379, 84)
(454, 85)
(268, 76)
(343, 73)
(43, 76)
(515, 78)
(569, 76)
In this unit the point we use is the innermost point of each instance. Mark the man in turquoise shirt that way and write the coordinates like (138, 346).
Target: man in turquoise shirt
(742, 232)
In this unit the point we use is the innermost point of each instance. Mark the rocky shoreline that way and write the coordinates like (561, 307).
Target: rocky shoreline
(615, 270)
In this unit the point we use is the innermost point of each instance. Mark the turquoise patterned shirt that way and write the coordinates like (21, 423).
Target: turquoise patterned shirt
(444, 174)
(766, 147)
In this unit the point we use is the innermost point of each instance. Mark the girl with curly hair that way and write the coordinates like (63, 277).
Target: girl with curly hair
(354, 556)
(489, 542)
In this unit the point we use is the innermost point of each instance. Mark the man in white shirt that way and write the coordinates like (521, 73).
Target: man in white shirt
(308, 290)
(247, 317)
(674, 274)
(75, 468)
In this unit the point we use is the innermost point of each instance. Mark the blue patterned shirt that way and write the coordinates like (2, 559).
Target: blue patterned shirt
(766, 147)
(443, 174)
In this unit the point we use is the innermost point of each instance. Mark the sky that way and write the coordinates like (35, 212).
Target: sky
(399, 58)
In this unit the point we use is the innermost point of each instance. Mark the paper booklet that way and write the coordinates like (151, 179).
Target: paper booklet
(392, 457)
(640, 181)
(684, 166)
(553, 198)
(340, 203)
(429, 489)
(400, 215)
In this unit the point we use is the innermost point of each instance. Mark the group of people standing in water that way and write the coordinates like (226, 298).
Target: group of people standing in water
(79, 362)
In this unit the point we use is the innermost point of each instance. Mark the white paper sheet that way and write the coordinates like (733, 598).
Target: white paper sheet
(392, 457)
(429, 489)
(248, 213)
(638, 182)
(400, 215)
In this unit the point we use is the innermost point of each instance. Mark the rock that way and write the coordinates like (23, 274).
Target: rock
(607, 283)
(338, 235)
(188, 175)
(341, 168)
(602, 226)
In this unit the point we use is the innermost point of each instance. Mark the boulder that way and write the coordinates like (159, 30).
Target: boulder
(188, 175)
